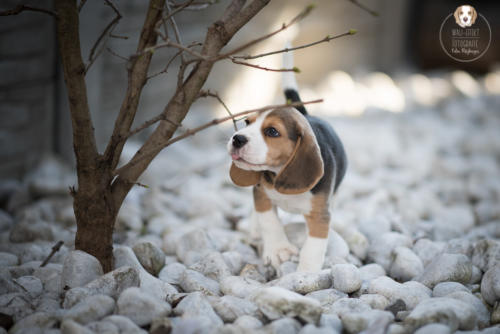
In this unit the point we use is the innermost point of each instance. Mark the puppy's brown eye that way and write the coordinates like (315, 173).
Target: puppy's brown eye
(461, 12)
(271, 132)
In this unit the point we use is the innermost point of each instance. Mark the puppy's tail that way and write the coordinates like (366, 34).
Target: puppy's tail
(290, 87)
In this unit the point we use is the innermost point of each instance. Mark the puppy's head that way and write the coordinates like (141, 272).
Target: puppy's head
(465, 16)
(280, 141)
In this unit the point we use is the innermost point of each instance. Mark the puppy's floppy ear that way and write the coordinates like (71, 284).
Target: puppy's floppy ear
(242, 177)
(474, 15)
(304, 168)
(457, 15)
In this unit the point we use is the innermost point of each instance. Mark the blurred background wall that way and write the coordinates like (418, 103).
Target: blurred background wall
(34, 116)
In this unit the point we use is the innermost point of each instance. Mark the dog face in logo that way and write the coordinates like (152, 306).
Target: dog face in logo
(465, 16)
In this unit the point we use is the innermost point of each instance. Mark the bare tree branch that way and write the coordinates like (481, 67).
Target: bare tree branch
(296, 19)
(116, 54)
(21, 8)
(213, 122)
(360, 5)
(218, 98)
(74, 75)
(294, 69)
(170, 43)
(107, 31)
(323, 40)
(137, 78)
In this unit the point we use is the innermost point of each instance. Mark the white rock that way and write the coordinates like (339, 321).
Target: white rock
(490, 285)
(381, 248)
(377, 302)
(445, 288)
(285, 325)
(124, 256)
(7, 260)
(111, 284)
(51, 177)
(482, 313)
(91, 309)
(141, 307)
(452, 312)
(79, 268)
(371, 321)
(459, 246)
(38, 320)
(327, 297)
(30, 284)
(447, 267)
(69, 326)
(476, 275)
(374, 227)
(213, 266)
(195, 304)
(486, 254)
(172, 273)
(452, 222)
(150, 256)
(371, 271)
(49, 304)
(433, 329)
(331, 322)
(311, 329)
(346, 278)
(103, 327)
(196, 240)
(16, 305)
(199, 324)
(252, 272)
(124, 324)
(358, 243)
(412, 293)
(27, 231)
(234, 260)
(50, 276)
(347, 305)
(406, 264)
(304, 282)
(248, 322)
(239, 286)
(428, 250)
(276, 302)
(6, 221)
(194, 281)
(230, 308)
(336, 245)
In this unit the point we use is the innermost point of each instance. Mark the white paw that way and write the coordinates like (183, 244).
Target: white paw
(276, 254)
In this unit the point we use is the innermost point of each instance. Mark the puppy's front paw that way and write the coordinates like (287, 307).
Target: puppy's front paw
(276, 254)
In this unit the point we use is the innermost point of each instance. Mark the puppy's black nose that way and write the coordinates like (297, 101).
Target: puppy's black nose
(239, 141)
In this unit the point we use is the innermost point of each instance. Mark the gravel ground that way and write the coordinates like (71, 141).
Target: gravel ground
(414, 245)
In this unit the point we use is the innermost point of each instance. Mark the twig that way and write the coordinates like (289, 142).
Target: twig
(197, 5)
(216, 96)
(55, 249)
(166, 66)
(117, 36)
(215, 121)
(116, 54)
(297, 18)
(176, 29)
(148, 123)
(294, 69)
(360, 5)
(108, 29)
(169, 43)
(323, 40)
(21, 8)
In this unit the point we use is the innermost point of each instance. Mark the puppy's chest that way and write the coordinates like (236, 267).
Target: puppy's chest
(299, 203)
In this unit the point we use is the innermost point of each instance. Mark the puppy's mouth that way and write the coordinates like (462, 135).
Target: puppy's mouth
(237, 157)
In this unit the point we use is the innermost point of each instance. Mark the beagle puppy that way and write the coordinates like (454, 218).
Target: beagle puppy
(293, 161)
(465, 16)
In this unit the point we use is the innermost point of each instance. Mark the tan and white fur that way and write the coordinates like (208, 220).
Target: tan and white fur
(465, 16)
(295, 162)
